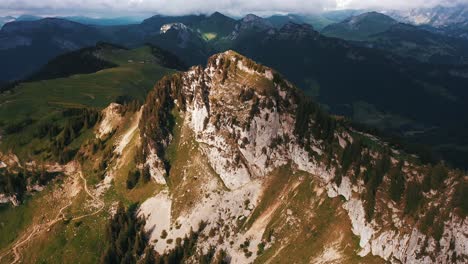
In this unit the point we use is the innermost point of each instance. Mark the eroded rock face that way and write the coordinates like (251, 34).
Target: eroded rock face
(111, 119)
(243, 120)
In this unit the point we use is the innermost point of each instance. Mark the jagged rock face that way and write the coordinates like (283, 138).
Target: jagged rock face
(184, 34)
(242, 121)
(246, 122)
(174, 26)
(250, 23)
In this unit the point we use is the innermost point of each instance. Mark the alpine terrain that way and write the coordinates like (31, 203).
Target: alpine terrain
(233, 132)
(231, 163)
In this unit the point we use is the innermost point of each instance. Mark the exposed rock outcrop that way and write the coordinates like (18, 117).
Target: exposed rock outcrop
(247, 122)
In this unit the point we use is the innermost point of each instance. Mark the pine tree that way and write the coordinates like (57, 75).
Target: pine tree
(397, 182)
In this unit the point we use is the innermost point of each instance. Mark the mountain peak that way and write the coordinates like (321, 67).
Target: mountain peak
(251, 17)
(173, 26)
(360, 27)
(217, 14)
(370, 17)
(293, 30)
(254, 20)
(50, 22)
(220, 61)
(249, 23)
(248, 125)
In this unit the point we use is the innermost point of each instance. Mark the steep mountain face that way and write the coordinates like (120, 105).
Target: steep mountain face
(229, 162)
(434, 95)
(182, 40)
(438, 16)
(243, 151)
(313, 62)
(312, 71)
(215, 26)
(43, 116)
(27, 45)
(156, 22)
(360, 27)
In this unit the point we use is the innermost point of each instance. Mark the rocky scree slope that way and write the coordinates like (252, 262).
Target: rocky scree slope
(245, 122)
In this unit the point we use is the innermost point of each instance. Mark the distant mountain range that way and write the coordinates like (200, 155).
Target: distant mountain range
(376, 30)
(438, 16)
(360, 27)
(279, 144)
(79, 19)
(359, 78)
(27, 45)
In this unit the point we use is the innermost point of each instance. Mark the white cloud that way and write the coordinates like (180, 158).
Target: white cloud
(397, 4)
(178, 7)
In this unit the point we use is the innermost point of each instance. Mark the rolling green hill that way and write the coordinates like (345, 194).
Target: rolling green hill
(32, 104)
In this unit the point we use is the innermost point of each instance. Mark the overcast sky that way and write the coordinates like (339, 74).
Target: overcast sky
(177, 7)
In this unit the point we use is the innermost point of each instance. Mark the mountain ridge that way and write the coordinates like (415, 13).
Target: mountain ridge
(269, 174)
(360, 27)
(245, 142)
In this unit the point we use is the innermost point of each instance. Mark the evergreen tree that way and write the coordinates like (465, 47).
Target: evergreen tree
(397, 182)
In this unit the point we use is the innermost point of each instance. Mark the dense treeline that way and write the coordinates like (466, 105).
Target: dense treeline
(313, 123)
(397, 182)
(76, 62)
(157, 122)
(127, 242)
(185, 252)
(77, 120)
(12, 184)
(355, 156)
(424, 152)
(83, 61)
(129, 105)
(167, 59)
(17, 126)
(373, 178)
(135, 176)
(6, 86)
(459, 198)
(126, 237)
(59, 131)
(15, 183)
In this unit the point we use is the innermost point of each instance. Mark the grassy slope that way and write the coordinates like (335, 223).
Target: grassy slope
(136, 74)
(81, 239)
(67, 242)
(189, 168)
(307, 226)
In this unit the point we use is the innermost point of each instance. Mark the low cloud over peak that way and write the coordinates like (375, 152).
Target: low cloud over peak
(180, 7)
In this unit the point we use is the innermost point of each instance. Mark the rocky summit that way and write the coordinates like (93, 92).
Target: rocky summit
(275, 178)
(192, 137)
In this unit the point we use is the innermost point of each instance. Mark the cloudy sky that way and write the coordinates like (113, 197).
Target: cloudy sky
(178, 7)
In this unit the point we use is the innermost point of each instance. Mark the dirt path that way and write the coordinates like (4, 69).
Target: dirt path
(37, 229)
(96, 199)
